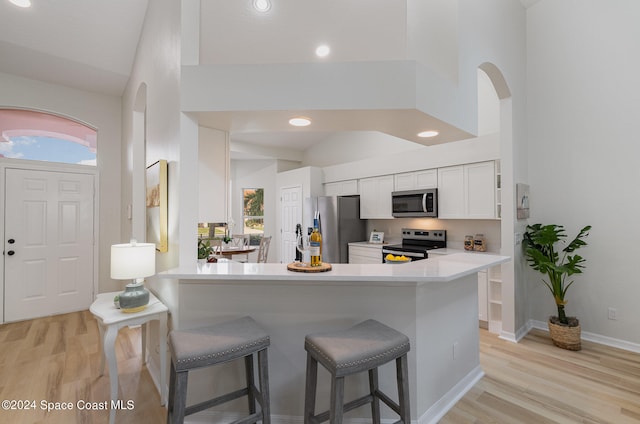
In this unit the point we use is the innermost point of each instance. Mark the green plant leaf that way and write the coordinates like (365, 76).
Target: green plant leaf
(543, 255)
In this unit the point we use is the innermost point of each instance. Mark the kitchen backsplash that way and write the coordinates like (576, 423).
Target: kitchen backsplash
(456, 229)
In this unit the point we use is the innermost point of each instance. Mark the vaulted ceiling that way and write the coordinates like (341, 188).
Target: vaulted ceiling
(89, 45)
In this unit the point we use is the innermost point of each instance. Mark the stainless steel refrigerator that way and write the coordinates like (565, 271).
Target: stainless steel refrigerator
(339, 224)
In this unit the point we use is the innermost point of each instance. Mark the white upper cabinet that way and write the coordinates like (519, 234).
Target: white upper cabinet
(480, 186)
(416, 180)
(467, 191)
(375, 197)
(451, 192)
(213, 175)
(341, 188)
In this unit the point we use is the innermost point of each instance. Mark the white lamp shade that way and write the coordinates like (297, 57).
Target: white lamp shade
(133, 260)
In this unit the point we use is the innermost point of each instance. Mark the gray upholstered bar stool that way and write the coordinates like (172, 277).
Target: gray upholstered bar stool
(207, 346)
(363, 347)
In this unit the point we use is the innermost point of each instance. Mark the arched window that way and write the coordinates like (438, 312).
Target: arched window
(33, 135)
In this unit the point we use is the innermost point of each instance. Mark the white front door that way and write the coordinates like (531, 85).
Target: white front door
(49, 243)
(291, 213)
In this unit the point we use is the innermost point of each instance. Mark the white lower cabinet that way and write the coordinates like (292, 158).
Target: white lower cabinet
(365, 254)
(375, 197)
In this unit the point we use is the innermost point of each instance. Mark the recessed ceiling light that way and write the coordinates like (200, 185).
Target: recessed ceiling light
(300, 121)
(427, 134)
(323, 50)
(21, 3)
(261, 5)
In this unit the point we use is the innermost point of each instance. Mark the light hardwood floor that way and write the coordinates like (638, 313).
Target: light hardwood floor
(56, 359)
(536, 382)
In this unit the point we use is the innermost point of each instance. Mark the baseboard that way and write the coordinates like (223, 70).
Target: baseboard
(446, 402)
(593, 337)
(522, 331)
(431, 416)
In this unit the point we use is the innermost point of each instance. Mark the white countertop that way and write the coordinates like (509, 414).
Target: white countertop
(438, 268)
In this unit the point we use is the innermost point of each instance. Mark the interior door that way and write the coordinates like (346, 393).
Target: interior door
(49, 243)
(291, 214)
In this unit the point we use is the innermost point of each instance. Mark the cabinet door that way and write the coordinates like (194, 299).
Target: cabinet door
(365, 255)
(368, 197)
(451, 194)
(349, 187)
(332, 189)
(480, 190)
(385, 188)
(341, 188)
(375, 197)
(406, 181)
(213, 175)
(427, 178)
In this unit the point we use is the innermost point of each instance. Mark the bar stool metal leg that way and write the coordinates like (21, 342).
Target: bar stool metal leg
(310, 388)
(402, 373)
(263, 378)
(373, 388)
(178, 396)
(251, 396)
(337, 400)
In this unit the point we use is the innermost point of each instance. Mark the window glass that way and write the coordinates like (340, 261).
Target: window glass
(32, 135)
(253, 213)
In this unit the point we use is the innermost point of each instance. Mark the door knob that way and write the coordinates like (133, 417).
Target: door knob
(11, 253)
(11, 241)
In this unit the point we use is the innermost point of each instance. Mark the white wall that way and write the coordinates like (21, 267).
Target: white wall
(97, 110)
(583, 111)
(291, 30)
(350, 146)
(256, 174)
(157, 66)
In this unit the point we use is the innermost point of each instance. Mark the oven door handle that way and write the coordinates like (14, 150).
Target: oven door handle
(397, 253)
(424, 202)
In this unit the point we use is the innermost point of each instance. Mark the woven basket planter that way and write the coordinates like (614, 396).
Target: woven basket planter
(565, 336)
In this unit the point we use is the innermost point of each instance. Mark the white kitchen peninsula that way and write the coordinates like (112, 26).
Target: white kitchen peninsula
(434, 302)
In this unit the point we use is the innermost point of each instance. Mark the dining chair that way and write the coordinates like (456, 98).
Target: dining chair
(216, 247)
(263, 250)
(241, 240)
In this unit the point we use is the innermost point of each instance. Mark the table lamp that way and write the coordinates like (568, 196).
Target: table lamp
(133, 261)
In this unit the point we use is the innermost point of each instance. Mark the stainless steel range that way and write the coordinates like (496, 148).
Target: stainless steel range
(416, 243)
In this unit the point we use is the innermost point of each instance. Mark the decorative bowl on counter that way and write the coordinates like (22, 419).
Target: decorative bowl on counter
(396, 259)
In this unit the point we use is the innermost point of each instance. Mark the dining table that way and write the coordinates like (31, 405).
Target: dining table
(229, 251)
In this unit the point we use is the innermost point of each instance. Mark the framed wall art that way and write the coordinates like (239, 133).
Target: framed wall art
(157, 208)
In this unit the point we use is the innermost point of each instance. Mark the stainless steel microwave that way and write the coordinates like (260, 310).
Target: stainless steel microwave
(415, 203)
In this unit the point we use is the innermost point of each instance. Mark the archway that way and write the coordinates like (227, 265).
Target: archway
(507, 191)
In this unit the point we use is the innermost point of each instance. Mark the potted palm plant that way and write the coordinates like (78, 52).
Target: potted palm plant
(204, 249)
(559, 265)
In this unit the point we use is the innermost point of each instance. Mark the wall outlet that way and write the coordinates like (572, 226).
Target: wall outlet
(456, 346)
(613, 313)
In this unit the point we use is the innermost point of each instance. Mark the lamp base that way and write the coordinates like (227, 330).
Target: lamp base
(134, 298)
